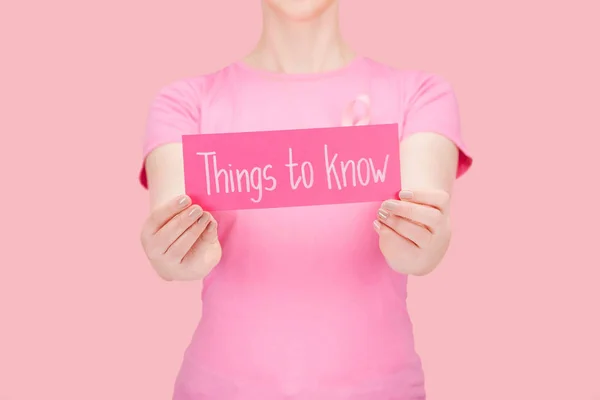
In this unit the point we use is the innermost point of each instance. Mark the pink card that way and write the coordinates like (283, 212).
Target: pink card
(237, 171)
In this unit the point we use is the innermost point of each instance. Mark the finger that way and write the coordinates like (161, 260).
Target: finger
(210, 234)
(417, 234)
(435, 198)
(385, 232)
(426, 216)
(159, 217)
(180, 248)
(173, 229)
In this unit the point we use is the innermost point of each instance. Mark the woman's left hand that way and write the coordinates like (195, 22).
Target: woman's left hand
(414, 230)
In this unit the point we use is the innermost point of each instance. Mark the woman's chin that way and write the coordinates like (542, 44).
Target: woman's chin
(300, 10)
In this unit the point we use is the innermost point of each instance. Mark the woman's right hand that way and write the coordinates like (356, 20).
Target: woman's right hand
(180, 240)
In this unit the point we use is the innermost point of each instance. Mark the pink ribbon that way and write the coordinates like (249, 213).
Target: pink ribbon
(349, 115)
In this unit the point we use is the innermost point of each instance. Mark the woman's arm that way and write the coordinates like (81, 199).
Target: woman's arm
(414, 231)
(180, 239)
(428, 161)
(164, 171)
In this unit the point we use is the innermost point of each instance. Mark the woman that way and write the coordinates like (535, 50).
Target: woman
(305, 302)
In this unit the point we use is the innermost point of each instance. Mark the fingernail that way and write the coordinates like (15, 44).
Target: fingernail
(212, 226)
(376, 225)
(183, 201)
(383, 214)
(405, 194)
(391, 205)
(195, 212)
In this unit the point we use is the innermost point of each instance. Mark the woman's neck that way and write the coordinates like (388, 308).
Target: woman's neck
(300, 47)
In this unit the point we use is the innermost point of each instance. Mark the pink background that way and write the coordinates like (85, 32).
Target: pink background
(511, 314)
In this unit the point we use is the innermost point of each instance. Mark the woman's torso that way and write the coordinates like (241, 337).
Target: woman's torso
(302, 303)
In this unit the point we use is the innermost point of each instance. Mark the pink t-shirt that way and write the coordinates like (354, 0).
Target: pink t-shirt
(302, 304)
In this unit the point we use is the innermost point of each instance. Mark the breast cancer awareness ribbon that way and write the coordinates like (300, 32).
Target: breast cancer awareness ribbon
(349, 115)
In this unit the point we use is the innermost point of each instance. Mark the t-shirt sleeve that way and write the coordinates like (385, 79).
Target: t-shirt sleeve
(431, 106)
(174, 112)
